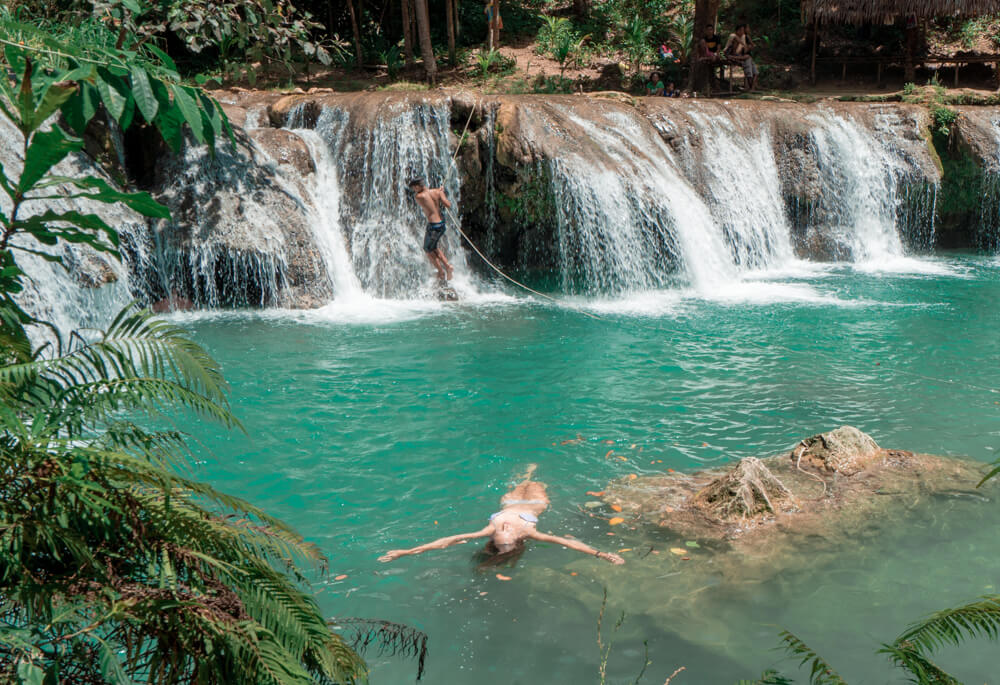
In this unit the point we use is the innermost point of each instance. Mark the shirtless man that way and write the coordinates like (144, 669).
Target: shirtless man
(511, 526)
(430, 200)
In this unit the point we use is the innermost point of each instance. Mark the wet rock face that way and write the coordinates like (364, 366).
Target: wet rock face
(240, 232)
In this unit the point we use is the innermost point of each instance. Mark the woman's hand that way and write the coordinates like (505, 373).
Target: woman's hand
(612, 557)
(392, 556)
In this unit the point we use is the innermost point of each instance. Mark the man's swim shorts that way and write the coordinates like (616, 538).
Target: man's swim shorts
(433, 235)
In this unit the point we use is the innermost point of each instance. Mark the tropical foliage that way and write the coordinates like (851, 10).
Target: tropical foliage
(115, 565)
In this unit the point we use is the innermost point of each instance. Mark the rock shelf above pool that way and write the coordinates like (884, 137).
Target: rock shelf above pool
(829, 487)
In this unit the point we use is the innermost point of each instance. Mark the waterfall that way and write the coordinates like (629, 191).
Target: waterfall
(90, 287)
(859, 198)
(325, 220)
(988, 235)
(743, 189)
(627, 217)
(382, 227)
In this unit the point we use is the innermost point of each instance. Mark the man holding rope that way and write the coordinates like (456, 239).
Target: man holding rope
(430, 200)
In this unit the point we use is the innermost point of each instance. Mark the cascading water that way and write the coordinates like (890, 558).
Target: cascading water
(743, 191)
(625, 220)
(988, 235)
(325, 192)
(382, 225)
(91, 288)
(859, 199)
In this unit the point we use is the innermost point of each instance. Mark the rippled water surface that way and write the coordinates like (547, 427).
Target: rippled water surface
(382, 427)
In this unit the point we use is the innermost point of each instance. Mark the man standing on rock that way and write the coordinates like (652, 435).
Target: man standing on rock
(430, 200)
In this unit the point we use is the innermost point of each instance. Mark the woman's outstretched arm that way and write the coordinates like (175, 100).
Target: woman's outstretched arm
(437, 544)
(578, 546)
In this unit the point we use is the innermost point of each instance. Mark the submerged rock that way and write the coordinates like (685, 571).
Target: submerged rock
(829, 488)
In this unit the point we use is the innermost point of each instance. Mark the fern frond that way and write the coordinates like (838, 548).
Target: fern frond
(820, 672)
(922, 670)
(979, 619)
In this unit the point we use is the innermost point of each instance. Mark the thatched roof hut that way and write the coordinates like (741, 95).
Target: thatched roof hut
(816, 13)
(869, 11)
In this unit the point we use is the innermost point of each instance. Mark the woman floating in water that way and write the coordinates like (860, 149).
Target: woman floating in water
(511, 526)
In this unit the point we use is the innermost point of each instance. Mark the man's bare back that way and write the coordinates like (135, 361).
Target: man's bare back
(430, 200)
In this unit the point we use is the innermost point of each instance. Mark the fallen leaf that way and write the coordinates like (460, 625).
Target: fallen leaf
(572, 573)
(595, 494)
(593, 504)
(632, 476)
(679, 551)
(623, 458)
(685, 558)
(435, 523)
(340, 577)
(632, 446)
(656, 551)
(616, 520)
(501, 576)
(704, 444)
(670, 470)
(610, 452)
(482, 594)
(627, 549)
(608, 442)
(610, 533)
(616, 507)
(692, 544)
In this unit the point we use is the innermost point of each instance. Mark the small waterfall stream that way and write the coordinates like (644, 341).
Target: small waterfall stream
(860, 197)
(743, 191)
(325, 195)
(624, 226)
(381, 224)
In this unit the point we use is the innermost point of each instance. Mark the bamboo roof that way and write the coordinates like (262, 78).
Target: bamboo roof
(867, 11)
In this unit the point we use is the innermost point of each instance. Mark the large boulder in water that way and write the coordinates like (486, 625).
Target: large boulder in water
(829, 489)
(845, 450)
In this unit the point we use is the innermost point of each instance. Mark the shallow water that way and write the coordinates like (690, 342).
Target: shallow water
(383, 425)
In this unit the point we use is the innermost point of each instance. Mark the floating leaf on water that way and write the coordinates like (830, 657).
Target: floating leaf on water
(501, 576)
(610, 452)
(572, 573)
(616, 507)
(685, 558)
(627, 549)
(593, 504)
(692, 544)
(679, 551)
(595, 494)
(670, 470)
(616, 520)
(623, 458)
(608, 442)
(704, 444)
(632, 476)
(341, 577)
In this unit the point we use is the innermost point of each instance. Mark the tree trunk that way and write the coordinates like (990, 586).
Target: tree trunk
(705, 12)
(358, 57)
(458, 24)
(450, 11)
(581, 8)
(426, 48)
(407, 33)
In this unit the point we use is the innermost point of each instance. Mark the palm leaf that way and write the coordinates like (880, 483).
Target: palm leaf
(979, 619)
(820, 672)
